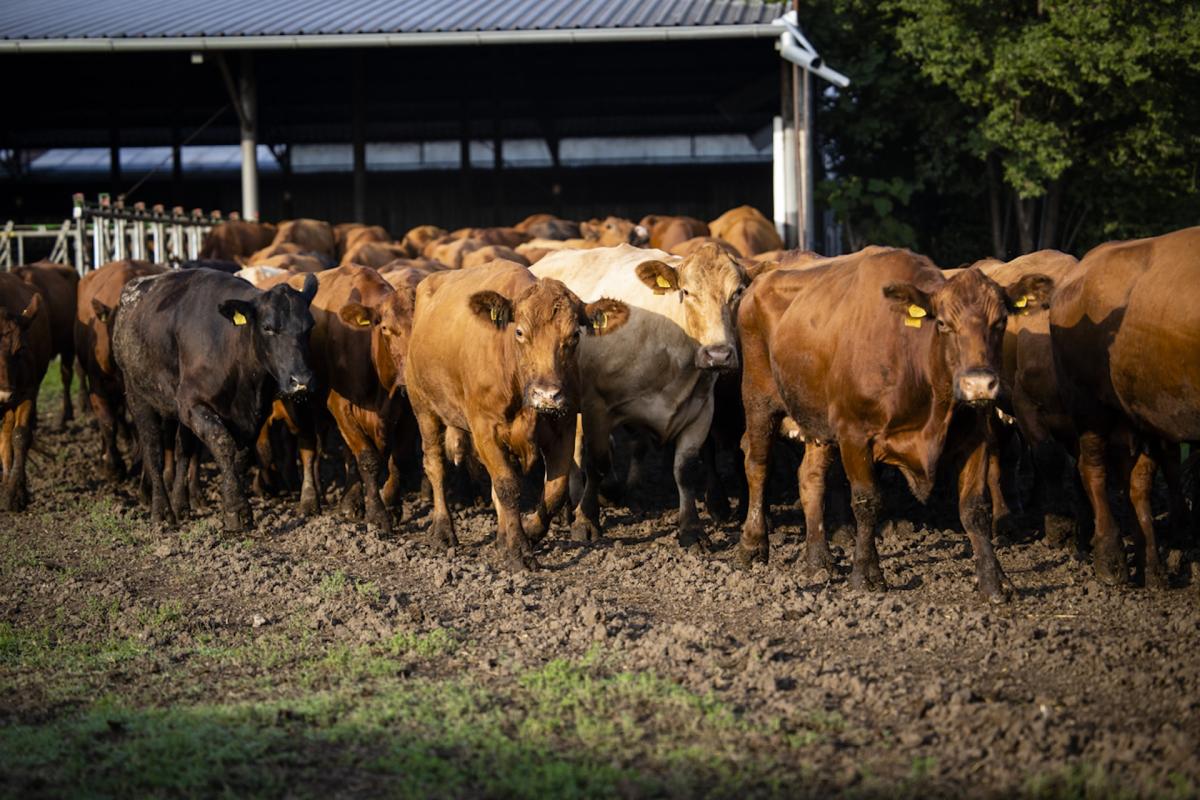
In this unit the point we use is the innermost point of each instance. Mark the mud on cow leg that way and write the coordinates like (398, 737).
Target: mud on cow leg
(149, 429)
(231, 462)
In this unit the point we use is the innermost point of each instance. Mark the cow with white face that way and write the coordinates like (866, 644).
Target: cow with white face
(657, 372)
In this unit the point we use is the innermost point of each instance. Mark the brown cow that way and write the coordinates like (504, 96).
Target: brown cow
(490, 253)
(667, 232)
(359, 343)
(494, 355)
(95, 307)
(1123, 331)
(1031, 389)
(312, 235)
(506, 237)
(612, 231)
(58, 284)
(236, 239)
(746, 229)
(548, 226)
(417, 239)
(368, 253)
(878, 355)
(291, 262)
(424, 264)
(695, 243)
(25, 344)
(348, 234)
(450, 251)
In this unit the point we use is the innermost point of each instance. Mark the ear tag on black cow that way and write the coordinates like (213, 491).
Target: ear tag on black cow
(915, 312)
(239, 318)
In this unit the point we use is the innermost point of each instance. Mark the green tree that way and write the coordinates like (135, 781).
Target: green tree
(1084, 101)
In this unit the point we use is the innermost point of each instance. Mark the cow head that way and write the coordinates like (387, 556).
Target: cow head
(14, 346)
(280, 321)
(969, 312)
(390, 322)
(544, 322)
(709, 285)
(612, 231)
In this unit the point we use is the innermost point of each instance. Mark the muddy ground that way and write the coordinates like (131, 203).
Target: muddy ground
(311, 658)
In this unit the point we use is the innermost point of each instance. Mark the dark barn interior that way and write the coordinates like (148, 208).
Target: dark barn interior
(448, 95)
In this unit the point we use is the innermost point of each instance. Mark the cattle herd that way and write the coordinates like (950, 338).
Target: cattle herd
(487, 354)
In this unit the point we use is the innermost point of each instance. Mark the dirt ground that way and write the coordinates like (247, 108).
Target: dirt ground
(311, 658)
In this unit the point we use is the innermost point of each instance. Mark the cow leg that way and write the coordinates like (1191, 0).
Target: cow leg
(557, 445)
(149, 430)
(687, 478)
(441, 530)
(716, 502)
(264, 481)
(81, 399)
(974, 513)
(757, 442)
(631, 493)
(208, 427)
(866, 504)
(16, 490)
(1002, 521)
(186, 457)
(1108, 555)
(597, 459)
(1169, 459)
(369, 466)
(515, 547)
(66, 373)
(114, 465)
(1146, 561)
(813, 469)
(6, 450)
(1058, 527)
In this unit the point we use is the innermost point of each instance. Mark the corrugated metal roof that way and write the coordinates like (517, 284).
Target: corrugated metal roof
(41, 20)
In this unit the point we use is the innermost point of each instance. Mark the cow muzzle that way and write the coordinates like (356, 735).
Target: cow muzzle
(297, 385)
(977, 386)
(546, 399)
(717, 356)
(5, 395)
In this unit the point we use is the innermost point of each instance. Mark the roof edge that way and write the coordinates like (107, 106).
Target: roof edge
(429, 39)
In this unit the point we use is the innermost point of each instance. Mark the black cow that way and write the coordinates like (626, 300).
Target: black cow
(219, 264)
(211, 351)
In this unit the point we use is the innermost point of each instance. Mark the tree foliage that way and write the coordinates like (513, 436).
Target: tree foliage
(1080, 113)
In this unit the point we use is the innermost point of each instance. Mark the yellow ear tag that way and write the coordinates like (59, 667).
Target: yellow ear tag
(239, 318)
(1021, 303)
(363, 322)
(662, 282)
(495, 313)
(601, 321)
(912, 322)
(916, 312)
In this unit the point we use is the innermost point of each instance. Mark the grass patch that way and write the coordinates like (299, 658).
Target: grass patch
(567, 729)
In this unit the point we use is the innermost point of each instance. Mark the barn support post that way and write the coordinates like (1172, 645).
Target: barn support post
(784, 162)
(358, 134)
(248, 119)
(806, 213)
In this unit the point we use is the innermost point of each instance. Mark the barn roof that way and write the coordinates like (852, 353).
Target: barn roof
(61, 25)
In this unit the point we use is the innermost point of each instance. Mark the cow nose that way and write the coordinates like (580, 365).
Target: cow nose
(978, 386)
(298, 384)
(5, 395)
(543, 397)
(717, 356)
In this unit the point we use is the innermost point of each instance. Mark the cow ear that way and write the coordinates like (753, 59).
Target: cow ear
(30, 312)
(493, 307)
(102, 312)
(1030, 292)
(357, 315)
(604, 316)
(239, 312)
(757, 268)
(908, 300)
(658, 276)
(310, 288)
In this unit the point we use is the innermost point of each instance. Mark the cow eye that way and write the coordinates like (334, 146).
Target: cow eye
(737, 293)
(520, 335)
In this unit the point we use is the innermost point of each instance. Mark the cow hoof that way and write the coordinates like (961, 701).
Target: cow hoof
(693, 538)
(441, 535)
(382, 523)
(1156, 579)
(584, 530)
(817, 559)
(310, 505)
(533, 527)
(750, 554)
(718, 507)
(1110, 566)
(1006, 530)
(238, 521)
(997, 588)
(13, 501)
(1059, 531)
(517, 561)
(351, 504)
(867, 579)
